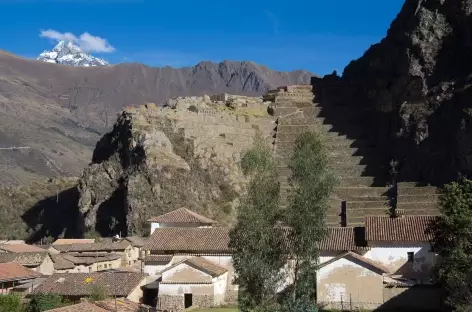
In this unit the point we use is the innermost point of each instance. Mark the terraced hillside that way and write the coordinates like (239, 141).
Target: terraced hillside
(364, 187)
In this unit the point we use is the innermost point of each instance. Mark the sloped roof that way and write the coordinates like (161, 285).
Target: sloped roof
(80, 307)
(189, 240)
(350, 254)
(182, 215)
(15, 271)
(158, 258)
(67, 241)
(115, 283)
(60, 263)
(136, 241)
(122, 305)
(25, 258)
(401, 229)
(344, 239)
(85, 247)
(200, 264)
(118, 305)
(21, 248)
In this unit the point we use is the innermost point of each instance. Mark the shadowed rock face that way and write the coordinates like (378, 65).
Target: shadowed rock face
(414, 88)
(159, 159)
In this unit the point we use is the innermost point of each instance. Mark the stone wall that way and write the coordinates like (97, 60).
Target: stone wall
(204, 301)
(231, 297)
(170, 303)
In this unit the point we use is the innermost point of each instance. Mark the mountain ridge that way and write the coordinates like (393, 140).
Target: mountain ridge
(61, 111)
(67, 53)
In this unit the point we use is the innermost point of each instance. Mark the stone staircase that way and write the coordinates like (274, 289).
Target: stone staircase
(351, 160)
(363, 189)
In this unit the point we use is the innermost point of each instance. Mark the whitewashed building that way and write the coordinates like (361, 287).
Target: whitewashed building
(387, 264)
(181, 218)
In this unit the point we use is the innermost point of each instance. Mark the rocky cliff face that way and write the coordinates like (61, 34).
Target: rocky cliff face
(414, 87)
(158, 159)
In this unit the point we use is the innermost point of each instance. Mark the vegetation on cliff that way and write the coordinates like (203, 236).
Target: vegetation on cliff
(40, 209)
(454, 243)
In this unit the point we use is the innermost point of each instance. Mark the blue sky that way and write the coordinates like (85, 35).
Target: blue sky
(316, 35)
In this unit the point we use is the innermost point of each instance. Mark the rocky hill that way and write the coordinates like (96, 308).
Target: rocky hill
(59, 112)
(158, 159)
(413, 89)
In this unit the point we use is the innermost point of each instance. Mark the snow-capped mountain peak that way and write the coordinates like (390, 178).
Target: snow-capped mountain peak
(67, 53)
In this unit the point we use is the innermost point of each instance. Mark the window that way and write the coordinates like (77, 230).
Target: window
(411, 256)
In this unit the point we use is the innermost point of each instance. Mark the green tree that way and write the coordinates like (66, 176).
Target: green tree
(257, 252)
(453, 239)
(313, 183)
(97, 294)
(40, 303)
(11, 303)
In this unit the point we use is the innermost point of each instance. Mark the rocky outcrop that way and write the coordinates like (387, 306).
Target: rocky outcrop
(414, 89)
(159, 159)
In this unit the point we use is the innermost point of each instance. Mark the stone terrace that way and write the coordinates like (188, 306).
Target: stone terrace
(361, 192)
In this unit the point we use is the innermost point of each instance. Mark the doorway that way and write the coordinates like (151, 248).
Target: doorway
(187, 300)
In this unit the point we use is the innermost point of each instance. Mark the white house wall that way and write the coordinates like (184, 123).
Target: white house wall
(156, 225)
(344, 282)
(185, 272)
(180, 289)
(219, 288)
(395, 257)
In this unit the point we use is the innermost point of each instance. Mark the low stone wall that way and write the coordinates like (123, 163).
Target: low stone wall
(171, 303)
(231, 297)
(203, 301)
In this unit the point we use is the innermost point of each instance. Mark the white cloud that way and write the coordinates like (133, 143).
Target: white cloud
(85, 41)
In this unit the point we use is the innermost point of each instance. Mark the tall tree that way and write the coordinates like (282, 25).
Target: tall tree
(453, 238)
(313, 184)
(257, 250)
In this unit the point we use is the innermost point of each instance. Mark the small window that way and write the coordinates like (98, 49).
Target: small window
(411, 256)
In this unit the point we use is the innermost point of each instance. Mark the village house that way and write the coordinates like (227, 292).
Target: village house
(19, 248)
(124, 248)
(384, 265)
(39, 262)
(86, 262)
(181, 217)
(108, 305)
(76, 286)
(182, 247)
(13, 275)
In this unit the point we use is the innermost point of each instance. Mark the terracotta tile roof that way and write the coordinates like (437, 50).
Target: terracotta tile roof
(103, 246)
(158, 258)
(80, 307)
(207, 266)
(357, 257)
(25, 258)
(115, 283)
(21, 248)
(15, 271)
(118, 305)
(60, 263)
(344, 239)
(67, 241)
(136, 241)
(122, 305)
(87, 259)
(189, 240)
(402, 229)
(182, 215)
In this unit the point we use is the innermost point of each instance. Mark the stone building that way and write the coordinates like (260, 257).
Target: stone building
(192, 261)
(191, 282)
